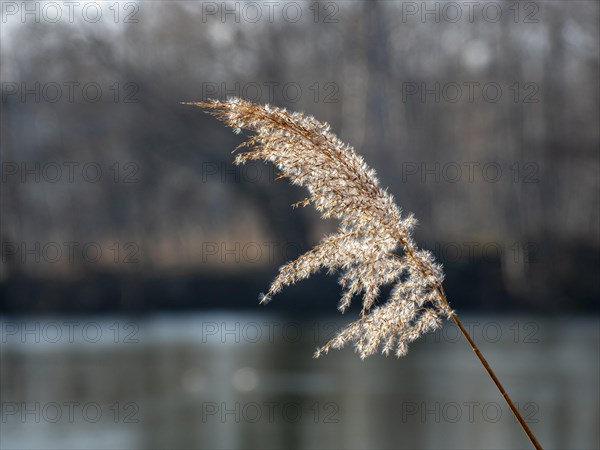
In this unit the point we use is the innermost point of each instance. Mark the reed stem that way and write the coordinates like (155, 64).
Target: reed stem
(442, 296)
(513, 408)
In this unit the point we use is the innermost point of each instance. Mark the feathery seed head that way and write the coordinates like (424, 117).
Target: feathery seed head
(371, 228)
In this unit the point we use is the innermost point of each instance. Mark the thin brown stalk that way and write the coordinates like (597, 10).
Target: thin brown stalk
(491, 373)
(444, 300)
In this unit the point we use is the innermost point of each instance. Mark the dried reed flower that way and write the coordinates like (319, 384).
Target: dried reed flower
(371, 230)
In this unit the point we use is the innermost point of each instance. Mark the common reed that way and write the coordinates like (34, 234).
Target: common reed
(373, 245)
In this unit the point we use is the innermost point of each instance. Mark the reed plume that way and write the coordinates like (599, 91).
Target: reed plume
(373, 245)
(372, 228)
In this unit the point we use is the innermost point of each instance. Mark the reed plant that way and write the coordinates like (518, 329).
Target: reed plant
(373, 246)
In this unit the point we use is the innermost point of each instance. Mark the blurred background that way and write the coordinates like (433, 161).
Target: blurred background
(133, 251)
